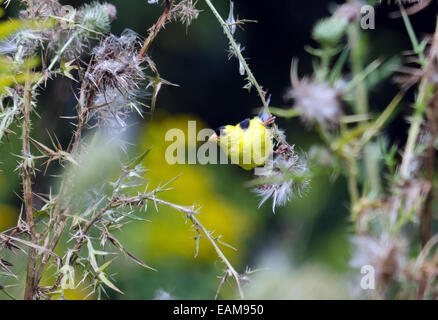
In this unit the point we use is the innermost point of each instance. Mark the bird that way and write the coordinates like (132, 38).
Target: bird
(249, 143)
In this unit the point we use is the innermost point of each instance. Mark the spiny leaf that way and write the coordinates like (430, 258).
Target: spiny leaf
(117, 243)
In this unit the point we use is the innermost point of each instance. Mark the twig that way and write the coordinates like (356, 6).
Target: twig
(46, 257)
(155, 29)
(191, 215)
(139, 201)
(252, 79)
(56, 58)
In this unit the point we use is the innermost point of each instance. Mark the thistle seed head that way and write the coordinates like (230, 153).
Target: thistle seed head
(387, 254)
(185, 11)
(284, 178)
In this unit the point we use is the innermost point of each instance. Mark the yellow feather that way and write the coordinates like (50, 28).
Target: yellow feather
(248, 148)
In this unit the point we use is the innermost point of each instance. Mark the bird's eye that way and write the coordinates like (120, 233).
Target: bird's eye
(219, 130)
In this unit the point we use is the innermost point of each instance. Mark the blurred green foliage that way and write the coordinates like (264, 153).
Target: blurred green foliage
(306, 240)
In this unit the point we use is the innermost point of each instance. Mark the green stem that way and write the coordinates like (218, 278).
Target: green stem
(57, 57)
(8, 294)
(416, 46)
(414, 130)
(353, 189)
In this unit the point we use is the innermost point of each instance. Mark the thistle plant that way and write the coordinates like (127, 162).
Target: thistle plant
(87, 205)
(69, 234)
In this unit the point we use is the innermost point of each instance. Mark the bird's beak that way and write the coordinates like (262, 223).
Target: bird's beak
(213, 138)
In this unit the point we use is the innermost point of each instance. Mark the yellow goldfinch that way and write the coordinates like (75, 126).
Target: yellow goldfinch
(248, 144)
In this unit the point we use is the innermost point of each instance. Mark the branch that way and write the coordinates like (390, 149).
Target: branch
(27, 189)
(420, 107)
(155, 29)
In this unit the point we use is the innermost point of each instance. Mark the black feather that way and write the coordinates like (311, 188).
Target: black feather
(244, 124)
(263, 115)
(219, 130)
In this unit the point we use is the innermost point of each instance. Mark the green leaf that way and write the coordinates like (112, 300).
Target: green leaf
(284, 113)
(138, 159)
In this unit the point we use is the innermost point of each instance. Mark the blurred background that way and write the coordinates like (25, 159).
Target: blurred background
(303, 250)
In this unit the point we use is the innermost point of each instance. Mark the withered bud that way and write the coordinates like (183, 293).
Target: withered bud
(348, 11)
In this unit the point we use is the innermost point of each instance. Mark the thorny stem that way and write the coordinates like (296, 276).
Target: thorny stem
(82, 121)
(249, 73)
(47, 255)
(27, 189)
(155, 29)
(84, 233)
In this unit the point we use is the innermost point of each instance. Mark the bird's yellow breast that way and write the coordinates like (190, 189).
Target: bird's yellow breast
(247, 145)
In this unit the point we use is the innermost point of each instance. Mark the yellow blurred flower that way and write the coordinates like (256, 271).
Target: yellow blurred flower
(169, 234)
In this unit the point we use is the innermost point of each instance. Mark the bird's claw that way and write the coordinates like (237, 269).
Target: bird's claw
(269, 120)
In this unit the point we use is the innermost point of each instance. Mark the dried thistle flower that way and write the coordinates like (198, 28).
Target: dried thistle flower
(330, 30)
(185, 11)
(387, 254)
(231, 21)
(161, 294)
(287, 175)
(116, 75)
(235, 53)
(315, 101)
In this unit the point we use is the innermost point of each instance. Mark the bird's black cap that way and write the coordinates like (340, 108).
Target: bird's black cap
(244, 124)
(219, 130)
